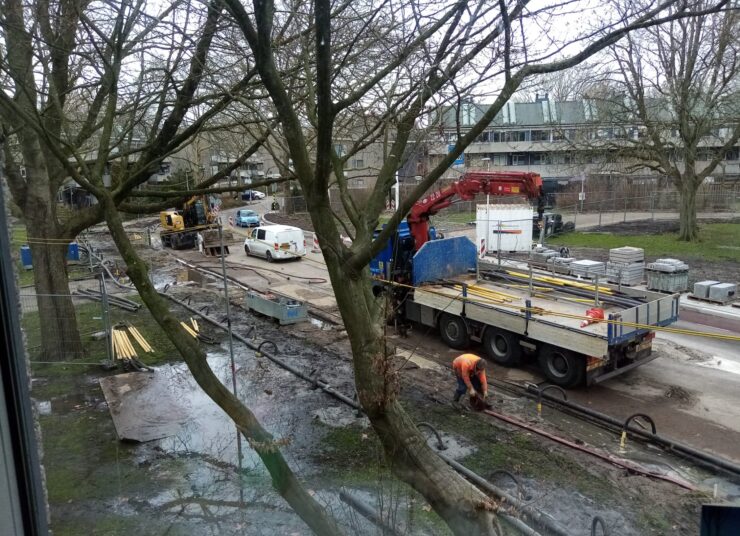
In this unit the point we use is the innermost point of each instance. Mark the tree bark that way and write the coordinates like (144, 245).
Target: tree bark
(284, 480)
(60, 337)
(465, 509)
(688, 230)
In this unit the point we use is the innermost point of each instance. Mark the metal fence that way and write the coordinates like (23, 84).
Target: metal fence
(51, 335)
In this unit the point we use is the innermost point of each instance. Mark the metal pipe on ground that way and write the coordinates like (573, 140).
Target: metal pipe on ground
(714, 462)
(538, 517)
(322, 385)
(542, 520)
(367, 512)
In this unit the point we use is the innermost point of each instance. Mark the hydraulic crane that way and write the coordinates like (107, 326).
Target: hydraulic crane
(496, 183)
(394, 262)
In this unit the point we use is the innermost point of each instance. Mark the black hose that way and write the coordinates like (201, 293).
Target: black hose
(368, 513)
(642, 416)
(599, 521)
(519, 486)
(550, 525)
(267, 341)
(440, 444)
(713, 462)
(324, 386)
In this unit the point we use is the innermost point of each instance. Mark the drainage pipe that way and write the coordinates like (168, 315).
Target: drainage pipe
(714, 462)
(538, 517)
(626, 464)
(368, 513)
(321, 384)
(542, 520)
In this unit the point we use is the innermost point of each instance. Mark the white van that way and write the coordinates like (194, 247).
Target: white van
(275, 242)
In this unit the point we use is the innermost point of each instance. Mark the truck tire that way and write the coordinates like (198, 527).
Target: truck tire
(454, 331)
(562, 367)
(268, 256)
(246, 249)
(502, 347)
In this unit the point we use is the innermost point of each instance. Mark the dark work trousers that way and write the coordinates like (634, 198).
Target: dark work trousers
(462, 388)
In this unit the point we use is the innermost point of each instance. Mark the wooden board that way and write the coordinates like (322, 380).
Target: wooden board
(141, 406)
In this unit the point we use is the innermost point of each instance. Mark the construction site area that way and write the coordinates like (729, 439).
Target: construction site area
(613, 375)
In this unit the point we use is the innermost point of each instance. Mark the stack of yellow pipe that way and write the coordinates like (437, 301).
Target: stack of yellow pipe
(122, 347)
(140, 339)
(488, 294)
(192, 330)
(561, 282)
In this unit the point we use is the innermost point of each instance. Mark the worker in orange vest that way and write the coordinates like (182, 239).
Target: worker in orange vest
(470, 371)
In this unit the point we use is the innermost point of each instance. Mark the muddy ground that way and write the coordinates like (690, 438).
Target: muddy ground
(191, 483)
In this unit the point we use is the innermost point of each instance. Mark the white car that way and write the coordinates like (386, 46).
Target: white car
(276, 242)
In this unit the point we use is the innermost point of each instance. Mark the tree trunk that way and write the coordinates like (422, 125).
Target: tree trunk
(283, 478)
(465, 509)
(688, 229)
(60, 337)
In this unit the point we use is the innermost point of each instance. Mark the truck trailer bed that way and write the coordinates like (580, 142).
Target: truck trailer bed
(559, 322)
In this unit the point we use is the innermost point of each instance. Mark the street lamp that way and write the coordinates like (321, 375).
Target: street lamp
(487, 160)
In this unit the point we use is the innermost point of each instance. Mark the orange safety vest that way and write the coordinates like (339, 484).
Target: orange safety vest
(464, 367)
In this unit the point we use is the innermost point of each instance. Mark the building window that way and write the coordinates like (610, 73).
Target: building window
(519, 159)
(468, 114)
(359, 183)
(540, 135)
(498, 159)
(539, 159)
(515, 135)
(733, 154)
(358, 163)
(339, 149)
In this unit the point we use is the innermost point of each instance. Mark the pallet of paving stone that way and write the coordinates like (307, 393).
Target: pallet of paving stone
(587, 268)
(627, 255)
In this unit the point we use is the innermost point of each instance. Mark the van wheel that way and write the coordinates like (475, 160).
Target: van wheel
(562, 367)
(246, 249)
(268, 256)
(454, 331)
(502, 347)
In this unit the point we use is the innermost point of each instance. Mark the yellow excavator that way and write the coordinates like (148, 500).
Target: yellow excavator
(180, 228)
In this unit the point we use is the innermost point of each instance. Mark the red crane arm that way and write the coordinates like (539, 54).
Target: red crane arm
(498, 183)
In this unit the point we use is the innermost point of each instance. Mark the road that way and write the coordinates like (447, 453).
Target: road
(692, 390)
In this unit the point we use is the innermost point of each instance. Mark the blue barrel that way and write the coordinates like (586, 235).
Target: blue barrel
(73, 252)
(26, 257)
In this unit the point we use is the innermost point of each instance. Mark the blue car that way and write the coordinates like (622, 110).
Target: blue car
(247, 218)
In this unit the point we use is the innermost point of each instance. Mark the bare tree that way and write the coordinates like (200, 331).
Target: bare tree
(426, 53)
(90, 87)
(84, 86)
(676, 90)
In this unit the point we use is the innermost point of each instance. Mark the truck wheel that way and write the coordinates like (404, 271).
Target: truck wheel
(454, 331)
(562, 367)
(502, 347)
(246, 249)
(268, 256)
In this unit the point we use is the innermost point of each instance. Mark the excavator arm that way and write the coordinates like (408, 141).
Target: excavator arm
(496, 183)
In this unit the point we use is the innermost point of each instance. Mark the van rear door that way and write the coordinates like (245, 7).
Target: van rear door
(290, 243)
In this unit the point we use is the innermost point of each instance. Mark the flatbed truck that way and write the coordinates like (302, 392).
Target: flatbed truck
(513, 321)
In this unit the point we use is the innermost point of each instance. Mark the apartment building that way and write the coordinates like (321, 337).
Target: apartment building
(562, 141)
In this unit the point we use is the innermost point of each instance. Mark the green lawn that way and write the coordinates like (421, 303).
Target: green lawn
(18, 237)
(717, 242)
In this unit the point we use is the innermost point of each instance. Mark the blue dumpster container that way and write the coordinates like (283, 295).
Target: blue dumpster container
(73, 252)
(26, 257)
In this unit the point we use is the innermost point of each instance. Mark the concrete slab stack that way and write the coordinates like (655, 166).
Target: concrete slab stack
(588, 268)
(668, 275)
(626, 265)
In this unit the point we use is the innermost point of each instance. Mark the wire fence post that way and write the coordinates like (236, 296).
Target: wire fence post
(652, 208)
(106, 318)
(498, 243)
(625, 210)
(601, 209)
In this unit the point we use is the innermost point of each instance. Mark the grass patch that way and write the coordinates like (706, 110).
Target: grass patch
(352, 455)
(515, 452)
(19, 237)
(717, 242)
(89, 322)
